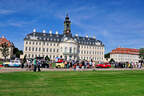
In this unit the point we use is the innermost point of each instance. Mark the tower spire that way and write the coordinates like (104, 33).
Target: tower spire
(67, 25)
(66, 14)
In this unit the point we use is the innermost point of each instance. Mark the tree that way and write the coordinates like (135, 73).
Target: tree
(141, 53)
(107, 56)
(47, 58)
(4, 50)
(24, 60)
(111, 61)
(17, 52)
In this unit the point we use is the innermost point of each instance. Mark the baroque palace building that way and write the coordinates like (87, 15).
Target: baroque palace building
(41, 44)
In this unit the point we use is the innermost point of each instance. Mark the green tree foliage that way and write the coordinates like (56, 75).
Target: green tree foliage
(4, 50)
(24, 60)
(17, 52)
(112, 60)
(141, 53)
(107, 56)
(47, 58)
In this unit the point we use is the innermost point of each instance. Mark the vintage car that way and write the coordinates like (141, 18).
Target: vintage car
(12, 63)
(60, 64)
(103, 65)
(1, 65)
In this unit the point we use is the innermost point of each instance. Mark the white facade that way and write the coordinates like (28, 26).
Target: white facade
(125, 57)
(68, 49)
(10, 53)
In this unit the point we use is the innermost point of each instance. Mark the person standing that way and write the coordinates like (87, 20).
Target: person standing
(65, 63)
(93, 64)
(35, 64)
(90, 64)
(139, 65)
(38, 65)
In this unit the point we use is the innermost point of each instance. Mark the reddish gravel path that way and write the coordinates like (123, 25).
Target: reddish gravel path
(11, 70)
(2, 70)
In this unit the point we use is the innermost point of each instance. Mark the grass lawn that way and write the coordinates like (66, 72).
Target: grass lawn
(98, 83)
(1, 62)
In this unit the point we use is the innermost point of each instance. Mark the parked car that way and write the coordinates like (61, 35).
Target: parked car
(12, 63)
(103, 65)
(1, 65)
(60, 64)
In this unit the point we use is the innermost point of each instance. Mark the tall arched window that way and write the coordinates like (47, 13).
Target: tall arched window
(25, 48)
(74, 51)
(29, 48)
(70, 50)
(65, 49)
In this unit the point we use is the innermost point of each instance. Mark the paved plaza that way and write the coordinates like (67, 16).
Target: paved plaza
(2, 70)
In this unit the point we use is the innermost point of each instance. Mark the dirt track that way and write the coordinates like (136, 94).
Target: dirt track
(3, 70)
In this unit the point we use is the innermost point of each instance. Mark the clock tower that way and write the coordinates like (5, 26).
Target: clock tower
(67, 26)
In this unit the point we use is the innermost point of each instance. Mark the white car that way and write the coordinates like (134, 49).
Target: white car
(12, 63)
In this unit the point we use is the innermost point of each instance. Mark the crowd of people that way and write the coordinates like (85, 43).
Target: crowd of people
(128, 65)
(35, 64)
(81, 64)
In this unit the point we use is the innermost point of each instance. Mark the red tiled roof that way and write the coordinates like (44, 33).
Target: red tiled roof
(4, 40)
(125, 51)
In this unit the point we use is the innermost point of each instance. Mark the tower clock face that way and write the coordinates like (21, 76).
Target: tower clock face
(67, 31)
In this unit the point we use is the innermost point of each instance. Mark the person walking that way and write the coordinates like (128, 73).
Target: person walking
(90, 64)
(93, 64)
(35, 64)
(65, 63)
(38, 65)
(139, 65)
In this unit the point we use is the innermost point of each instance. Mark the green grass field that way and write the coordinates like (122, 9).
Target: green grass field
(97, 83)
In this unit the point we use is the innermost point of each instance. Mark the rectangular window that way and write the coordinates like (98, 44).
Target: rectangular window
(47, 49)
(32, 49)
(36, 49)
(29, 48)
(25, 48)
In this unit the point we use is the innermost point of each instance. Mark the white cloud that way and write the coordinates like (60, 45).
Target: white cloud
(6, 12)
(14, 23)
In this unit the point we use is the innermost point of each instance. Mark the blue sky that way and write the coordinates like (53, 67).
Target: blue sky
(114, 22)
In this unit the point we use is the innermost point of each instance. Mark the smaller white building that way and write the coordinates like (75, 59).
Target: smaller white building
(10, 46)
(125, 55)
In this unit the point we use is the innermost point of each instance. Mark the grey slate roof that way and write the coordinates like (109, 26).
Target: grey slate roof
(58, 38)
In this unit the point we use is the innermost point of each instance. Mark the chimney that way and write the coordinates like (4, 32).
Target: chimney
(34, 30)
(50, 32)
(94, 37)
(56, 32)
(86, 36)
(3, 36)
(76, 35)
(44, 31)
